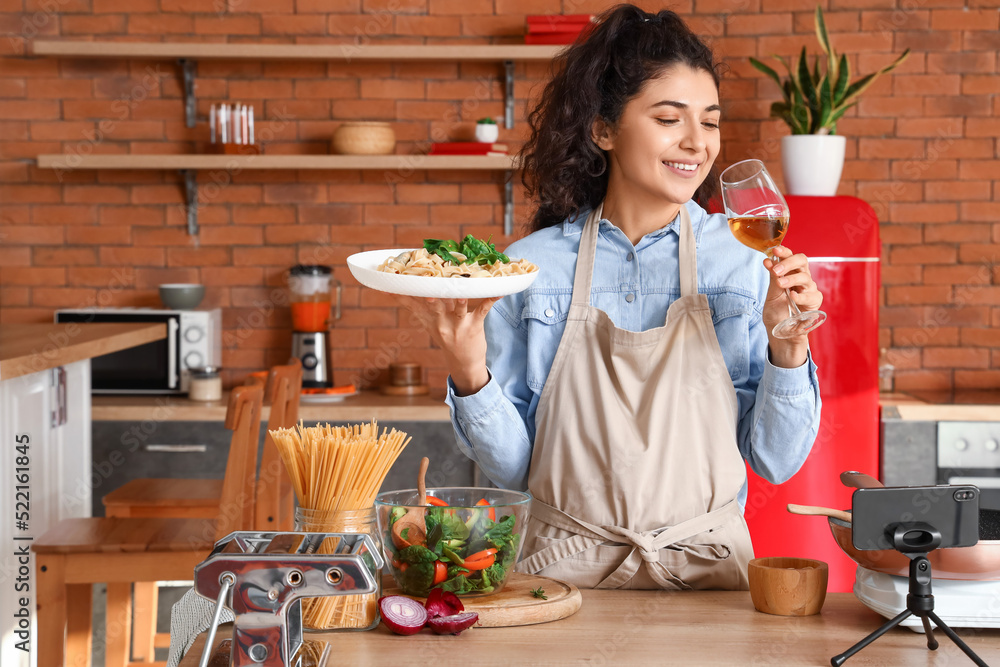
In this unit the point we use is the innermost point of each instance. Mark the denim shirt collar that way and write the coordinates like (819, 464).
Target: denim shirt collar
(574, 227)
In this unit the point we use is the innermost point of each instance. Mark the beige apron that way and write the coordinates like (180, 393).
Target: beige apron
(635, 468)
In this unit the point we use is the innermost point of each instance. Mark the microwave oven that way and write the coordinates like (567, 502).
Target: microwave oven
(194, 339)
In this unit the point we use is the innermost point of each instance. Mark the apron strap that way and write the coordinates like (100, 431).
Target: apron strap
(644, 545)
(585, 261)
(687, 255)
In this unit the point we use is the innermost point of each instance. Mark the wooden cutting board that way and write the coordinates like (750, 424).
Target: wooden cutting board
(515, 605)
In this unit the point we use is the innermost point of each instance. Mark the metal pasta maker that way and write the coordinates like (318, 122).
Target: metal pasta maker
(263, 577)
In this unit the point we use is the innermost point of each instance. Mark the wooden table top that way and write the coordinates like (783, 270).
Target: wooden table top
(29, 348)
(659, 628)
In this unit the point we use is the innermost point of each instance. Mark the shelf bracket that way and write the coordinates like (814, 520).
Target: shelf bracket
(190, 102)
(190, 177)
(508, 203)
(508, 113)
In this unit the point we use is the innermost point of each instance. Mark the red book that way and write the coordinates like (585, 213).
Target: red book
(574, 28)
(466, 148)
(559, 19)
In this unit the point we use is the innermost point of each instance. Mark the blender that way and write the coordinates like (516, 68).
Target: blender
(311, 287)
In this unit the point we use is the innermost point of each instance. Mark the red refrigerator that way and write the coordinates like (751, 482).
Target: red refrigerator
(841, 237)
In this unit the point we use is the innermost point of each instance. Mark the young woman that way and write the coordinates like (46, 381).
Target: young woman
(628, 385)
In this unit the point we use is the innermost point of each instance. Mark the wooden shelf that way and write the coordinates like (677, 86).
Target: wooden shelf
(189, 165)
(195, 161)
(188, 53)
(347, 52)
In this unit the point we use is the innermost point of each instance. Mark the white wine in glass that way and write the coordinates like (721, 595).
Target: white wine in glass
(758, 218)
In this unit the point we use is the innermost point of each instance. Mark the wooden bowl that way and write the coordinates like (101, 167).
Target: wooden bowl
(788, 586)
(364, 138)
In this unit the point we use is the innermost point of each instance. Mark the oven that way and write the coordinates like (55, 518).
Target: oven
(194, 339)
(969, 453)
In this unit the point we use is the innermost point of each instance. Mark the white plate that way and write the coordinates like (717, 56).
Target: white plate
(364, 267)
(324, 398)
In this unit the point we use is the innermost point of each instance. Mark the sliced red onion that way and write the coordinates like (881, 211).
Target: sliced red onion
(442, 603)
(401, 614)
(455, 624)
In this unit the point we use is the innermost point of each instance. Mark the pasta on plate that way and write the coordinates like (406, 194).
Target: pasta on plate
(420, 262)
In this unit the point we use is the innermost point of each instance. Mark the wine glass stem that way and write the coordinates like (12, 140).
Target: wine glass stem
(788, 293)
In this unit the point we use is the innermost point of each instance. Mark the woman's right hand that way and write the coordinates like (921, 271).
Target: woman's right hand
(456, 326)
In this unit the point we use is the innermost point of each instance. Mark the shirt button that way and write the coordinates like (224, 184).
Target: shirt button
(549, 312)
(630, 297)
(629, 257)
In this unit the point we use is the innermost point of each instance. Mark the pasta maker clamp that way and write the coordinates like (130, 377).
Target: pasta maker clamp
(263, 577)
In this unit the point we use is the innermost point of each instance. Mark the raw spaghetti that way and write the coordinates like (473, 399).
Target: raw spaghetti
(419, 262)
(337, 472)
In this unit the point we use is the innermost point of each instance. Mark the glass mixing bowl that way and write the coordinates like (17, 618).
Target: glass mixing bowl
(466, 540)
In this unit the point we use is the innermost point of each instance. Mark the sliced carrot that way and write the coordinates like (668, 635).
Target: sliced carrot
(437, 502)
(492, 513)
(403, 567)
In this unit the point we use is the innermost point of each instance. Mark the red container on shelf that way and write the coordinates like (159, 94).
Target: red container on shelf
(841, 237)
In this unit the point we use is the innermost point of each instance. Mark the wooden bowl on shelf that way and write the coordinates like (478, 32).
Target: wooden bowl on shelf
(364, 138)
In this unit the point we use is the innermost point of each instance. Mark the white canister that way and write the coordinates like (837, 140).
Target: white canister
(206, 384)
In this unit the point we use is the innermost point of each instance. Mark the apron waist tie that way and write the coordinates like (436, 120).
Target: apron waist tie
(645, 545)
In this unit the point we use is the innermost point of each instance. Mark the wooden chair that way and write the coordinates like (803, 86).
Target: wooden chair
(76, 553)
(199, 498)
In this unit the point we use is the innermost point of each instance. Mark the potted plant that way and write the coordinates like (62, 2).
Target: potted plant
(487, 130)
(812, 158)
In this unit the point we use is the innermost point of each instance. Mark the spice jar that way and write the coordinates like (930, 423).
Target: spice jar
(206, 384)
(340, 612)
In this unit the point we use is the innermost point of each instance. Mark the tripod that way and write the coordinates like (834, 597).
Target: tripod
(919, 602)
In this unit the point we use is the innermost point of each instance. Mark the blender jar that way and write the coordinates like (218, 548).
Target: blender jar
(310, 297)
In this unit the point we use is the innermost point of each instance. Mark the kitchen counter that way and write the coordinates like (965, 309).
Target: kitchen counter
(365, 406)
(30, 348)
(658, 628)
(979, 405)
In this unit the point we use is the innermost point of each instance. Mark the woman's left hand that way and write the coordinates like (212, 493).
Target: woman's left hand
(791, 271)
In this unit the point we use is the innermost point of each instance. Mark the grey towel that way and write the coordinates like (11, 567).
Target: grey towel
(190, 617)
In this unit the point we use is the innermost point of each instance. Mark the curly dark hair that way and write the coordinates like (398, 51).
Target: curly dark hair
(562, 166)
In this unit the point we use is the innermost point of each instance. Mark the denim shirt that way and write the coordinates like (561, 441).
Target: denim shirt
(778, 408)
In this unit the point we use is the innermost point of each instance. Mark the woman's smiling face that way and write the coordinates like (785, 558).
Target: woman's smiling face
(667, 137)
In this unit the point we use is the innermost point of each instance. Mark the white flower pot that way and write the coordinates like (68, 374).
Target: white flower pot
(487, 132)
(812, 163)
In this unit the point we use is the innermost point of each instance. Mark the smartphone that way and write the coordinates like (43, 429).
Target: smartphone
(906, 518)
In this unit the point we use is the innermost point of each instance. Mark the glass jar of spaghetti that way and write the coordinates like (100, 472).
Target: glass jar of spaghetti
(340, 612)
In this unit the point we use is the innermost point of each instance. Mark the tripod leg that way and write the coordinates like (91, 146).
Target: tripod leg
(958, 640)
(838, 660)
(932, 643)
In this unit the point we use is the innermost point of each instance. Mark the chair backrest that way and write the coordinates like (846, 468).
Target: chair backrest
(275, 498)
(237, 503)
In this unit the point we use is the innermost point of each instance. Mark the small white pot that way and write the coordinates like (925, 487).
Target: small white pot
(487, 132)
(812, 163)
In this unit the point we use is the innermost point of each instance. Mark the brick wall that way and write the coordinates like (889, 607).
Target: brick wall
(921, 148)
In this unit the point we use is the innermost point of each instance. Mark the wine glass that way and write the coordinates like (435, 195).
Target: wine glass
(758, 218)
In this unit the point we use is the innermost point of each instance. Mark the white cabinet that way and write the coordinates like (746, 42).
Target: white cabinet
(51, 408)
